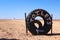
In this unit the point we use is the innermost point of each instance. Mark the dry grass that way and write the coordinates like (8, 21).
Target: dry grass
(16, 29)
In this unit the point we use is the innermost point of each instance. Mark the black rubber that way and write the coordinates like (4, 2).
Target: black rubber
(42, 29)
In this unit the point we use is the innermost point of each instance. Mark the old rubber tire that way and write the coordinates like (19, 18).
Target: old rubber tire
(31, 20)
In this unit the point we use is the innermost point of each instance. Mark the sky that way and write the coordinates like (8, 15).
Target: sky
(10, 9)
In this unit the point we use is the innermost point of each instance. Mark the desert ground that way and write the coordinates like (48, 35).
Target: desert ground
(15, 28)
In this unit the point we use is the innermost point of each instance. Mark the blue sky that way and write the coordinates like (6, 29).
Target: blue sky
(16, 8)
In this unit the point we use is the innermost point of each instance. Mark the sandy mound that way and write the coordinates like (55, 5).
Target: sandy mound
(16, 29)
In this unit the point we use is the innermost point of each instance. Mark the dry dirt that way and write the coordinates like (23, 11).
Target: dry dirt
(10, 28)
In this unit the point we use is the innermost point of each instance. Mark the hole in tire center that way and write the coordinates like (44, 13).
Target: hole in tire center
(37, 25)
(40, 19)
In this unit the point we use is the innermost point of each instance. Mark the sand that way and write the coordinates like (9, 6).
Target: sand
(11, 28)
